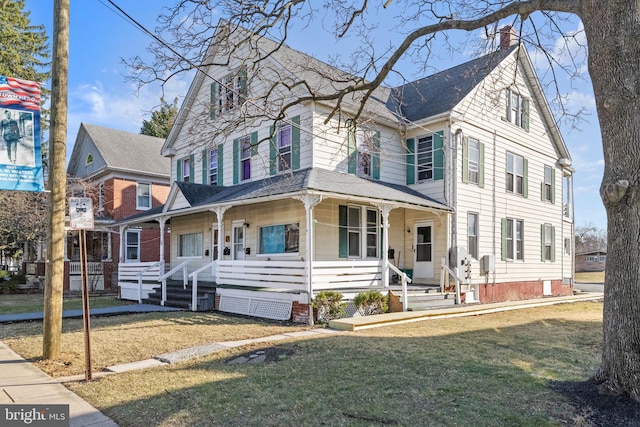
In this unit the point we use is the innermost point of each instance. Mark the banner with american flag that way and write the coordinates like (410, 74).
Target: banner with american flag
(20, 150)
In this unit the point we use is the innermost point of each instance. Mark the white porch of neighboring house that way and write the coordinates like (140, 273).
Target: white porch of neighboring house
(286, 240)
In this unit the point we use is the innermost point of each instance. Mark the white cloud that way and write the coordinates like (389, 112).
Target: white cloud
(575, 100)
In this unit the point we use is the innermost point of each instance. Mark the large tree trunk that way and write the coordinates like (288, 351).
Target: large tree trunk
(613, 33)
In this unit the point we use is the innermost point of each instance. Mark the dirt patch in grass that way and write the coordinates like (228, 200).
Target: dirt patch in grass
(599, 410)
(265, 355)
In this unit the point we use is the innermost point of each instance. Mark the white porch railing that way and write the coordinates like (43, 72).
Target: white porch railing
(92, 268)
(182, 266)
(139, 272)
(194, 278)
(346, 274)
(263, 274)
(405, 280)
(444, 270)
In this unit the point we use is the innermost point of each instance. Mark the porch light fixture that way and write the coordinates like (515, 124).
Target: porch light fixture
(246, 224)
(408, 229)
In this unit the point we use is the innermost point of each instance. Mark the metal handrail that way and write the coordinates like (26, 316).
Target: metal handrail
(194, 290)
(405, 279)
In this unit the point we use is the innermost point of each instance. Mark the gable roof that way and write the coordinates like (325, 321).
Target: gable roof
(441, 92)
(122, 151)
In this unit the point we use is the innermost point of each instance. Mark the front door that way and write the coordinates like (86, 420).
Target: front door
(238, 242)
(423, 251)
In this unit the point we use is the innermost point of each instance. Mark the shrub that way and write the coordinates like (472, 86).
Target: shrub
(371, 302)
(328, 305)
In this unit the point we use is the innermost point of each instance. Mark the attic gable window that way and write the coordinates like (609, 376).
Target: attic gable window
(229, 93)
(517, 109)
(89, 159)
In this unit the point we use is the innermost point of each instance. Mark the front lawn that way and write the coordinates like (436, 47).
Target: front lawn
(31, 303)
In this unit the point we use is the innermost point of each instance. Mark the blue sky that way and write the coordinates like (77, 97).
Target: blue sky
(99, 94)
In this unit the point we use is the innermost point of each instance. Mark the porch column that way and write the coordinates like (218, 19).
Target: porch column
(310, 201)
(123, 234)
(385, 210)
(220, 210)
(162, 221)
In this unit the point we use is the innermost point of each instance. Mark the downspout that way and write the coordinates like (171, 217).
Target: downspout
(162, 221)
(493, 184)
(454, 189)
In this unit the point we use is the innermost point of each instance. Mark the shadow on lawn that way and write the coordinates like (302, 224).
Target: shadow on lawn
(498, 376)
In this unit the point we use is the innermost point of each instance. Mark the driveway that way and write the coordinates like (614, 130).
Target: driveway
(589, 287)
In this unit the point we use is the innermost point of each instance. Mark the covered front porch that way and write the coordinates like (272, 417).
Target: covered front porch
(268, 248)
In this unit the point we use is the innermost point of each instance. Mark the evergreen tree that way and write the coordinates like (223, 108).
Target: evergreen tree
(161, 120)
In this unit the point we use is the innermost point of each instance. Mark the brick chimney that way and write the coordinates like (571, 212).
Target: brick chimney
(508, 37)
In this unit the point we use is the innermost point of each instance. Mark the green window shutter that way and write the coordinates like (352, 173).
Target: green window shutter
(504, 239)
(481, 167)
(465, 159)
(178, 170)
(205, 167)
(553, 244)
(236, 160)
(553, 185)
(376, 155)
(342, 232)
(254, 143)
(295, 143)
(192, 168)
(438, 155)
(273, 151)
(352, 152)
(542, 191)
(542, 243)
(525, 118)
(411, 160)
(213, 106)
(220, 163)
(525, 177)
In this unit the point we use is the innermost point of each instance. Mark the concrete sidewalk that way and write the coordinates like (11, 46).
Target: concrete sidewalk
(23, 383)
(104, 311)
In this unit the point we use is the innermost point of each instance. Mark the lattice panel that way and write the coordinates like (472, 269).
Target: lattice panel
(257, 307)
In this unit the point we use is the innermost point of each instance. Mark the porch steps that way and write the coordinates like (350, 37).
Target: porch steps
(421, 300)
(179, 297)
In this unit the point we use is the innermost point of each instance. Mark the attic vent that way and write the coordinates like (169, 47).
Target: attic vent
(89, 159)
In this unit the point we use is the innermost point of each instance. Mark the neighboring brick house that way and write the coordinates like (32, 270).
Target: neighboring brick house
(126, 175)
(591, 261)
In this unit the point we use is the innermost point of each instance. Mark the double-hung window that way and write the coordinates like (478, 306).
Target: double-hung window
(213, 167)
(425, 158)
(132, 245)
(359, 235)
(474, 161)
(547, 186)
(190, 245)
(515, 177)
(186, 169)
(365, 143)
(517, 109)
(284, 148)
(245, 158)
(472, 234)
(547, 237)
(143, 195)
(512, 239)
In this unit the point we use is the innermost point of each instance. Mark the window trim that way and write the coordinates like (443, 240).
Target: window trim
(197, 249)
(428, 166)
(282, 151)
(213, 166)
(244, 148)
(148, 196)
(473, 250)
(547, 187)
(512, 240)
(471, 161)
(186, 169)
(126, 246)
(284, 235)
(512, 175)
(518, 116)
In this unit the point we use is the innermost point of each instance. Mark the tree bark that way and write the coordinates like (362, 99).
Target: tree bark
(52, 328)
(612, 29)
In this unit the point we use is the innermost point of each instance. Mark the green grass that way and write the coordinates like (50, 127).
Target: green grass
(27, 303)
(489, 370)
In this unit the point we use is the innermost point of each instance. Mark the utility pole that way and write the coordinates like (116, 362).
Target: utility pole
(52, 332)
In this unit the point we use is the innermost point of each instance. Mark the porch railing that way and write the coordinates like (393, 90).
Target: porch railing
(263, 274)
(140, 273)
(346, 274)
(405, 280)
(92, 268)
(443, 271)
(182, 266)
(194, 279)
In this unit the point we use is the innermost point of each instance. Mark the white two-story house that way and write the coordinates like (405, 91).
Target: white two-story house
(465, 168)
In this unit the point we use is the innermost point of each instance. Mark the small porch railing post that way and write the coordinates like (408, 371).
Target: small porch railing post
(453, 273)
(405, 280)
(194, 294)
